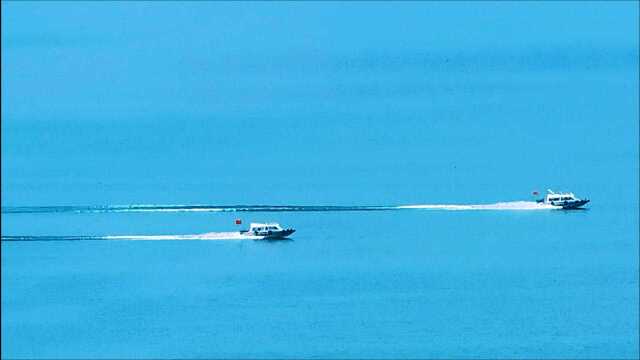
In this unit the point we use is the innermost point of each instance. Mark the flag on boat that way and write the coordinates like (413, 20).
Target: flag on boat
(238, 221)
(536, 193)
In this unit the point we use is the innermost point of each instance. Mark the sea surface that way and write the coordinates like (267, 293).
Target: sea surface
(126, 124)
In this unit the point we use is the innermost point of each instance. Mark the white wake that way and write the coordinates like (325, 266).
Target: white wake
(206, 236)
(511, 205)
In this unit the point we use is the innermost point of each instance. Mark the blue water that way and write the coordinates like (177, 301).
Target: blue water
(178, 118)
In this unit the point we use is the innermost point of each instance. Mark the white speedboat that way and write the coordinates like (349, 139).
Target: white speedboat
(564, 200)
(268, 231)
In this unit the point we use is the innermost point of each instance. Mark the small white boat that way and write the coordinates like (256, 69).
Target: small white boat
(268, 230)
(564, 200)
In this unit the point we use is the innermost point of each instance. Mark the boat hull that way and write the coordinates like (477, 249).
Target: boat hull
(278, 234)
(270, 234)
(575, 204)
(567, 205)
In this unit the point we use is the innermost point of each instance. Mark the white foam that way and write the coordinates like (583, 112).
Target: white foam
(511, 205)
(206, 236)
(173, 210)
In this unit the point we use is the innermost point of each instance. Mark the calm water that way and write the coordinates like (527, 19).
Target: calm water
(200, 111)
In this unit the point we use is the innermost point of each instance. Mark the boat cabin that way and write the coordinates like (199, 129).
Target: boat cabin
(552, 197)
(267, 228)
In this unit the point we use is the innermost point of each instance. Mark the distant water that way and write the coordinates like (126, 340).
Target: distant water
(402, 141)
(348, 284)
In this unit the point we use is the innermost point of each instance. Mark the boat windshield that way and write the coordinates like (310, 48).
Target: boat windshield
(265, 227)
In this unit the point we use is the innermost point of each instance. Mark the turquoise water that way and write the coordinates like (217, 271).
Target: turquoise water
(158, 107)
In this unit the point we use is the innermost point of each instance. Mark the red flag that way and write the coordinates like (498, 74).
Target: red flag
(238, 221)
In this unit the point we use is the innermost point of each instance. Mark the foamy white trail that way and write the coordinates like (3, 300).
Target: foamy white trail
(511, 205)
(206, 236)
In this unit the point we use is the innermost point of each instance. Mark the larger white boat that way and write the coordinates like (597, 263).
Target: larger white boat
(268, 231)
(564, 200)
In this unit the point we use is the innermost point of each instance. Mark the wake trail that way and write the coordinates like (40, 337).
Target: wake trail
(511, 205)
(206, 236)
(502, 206)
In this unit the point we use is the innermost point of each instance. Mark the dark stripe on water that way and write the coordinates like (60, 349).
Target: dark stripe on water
(51, 238)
